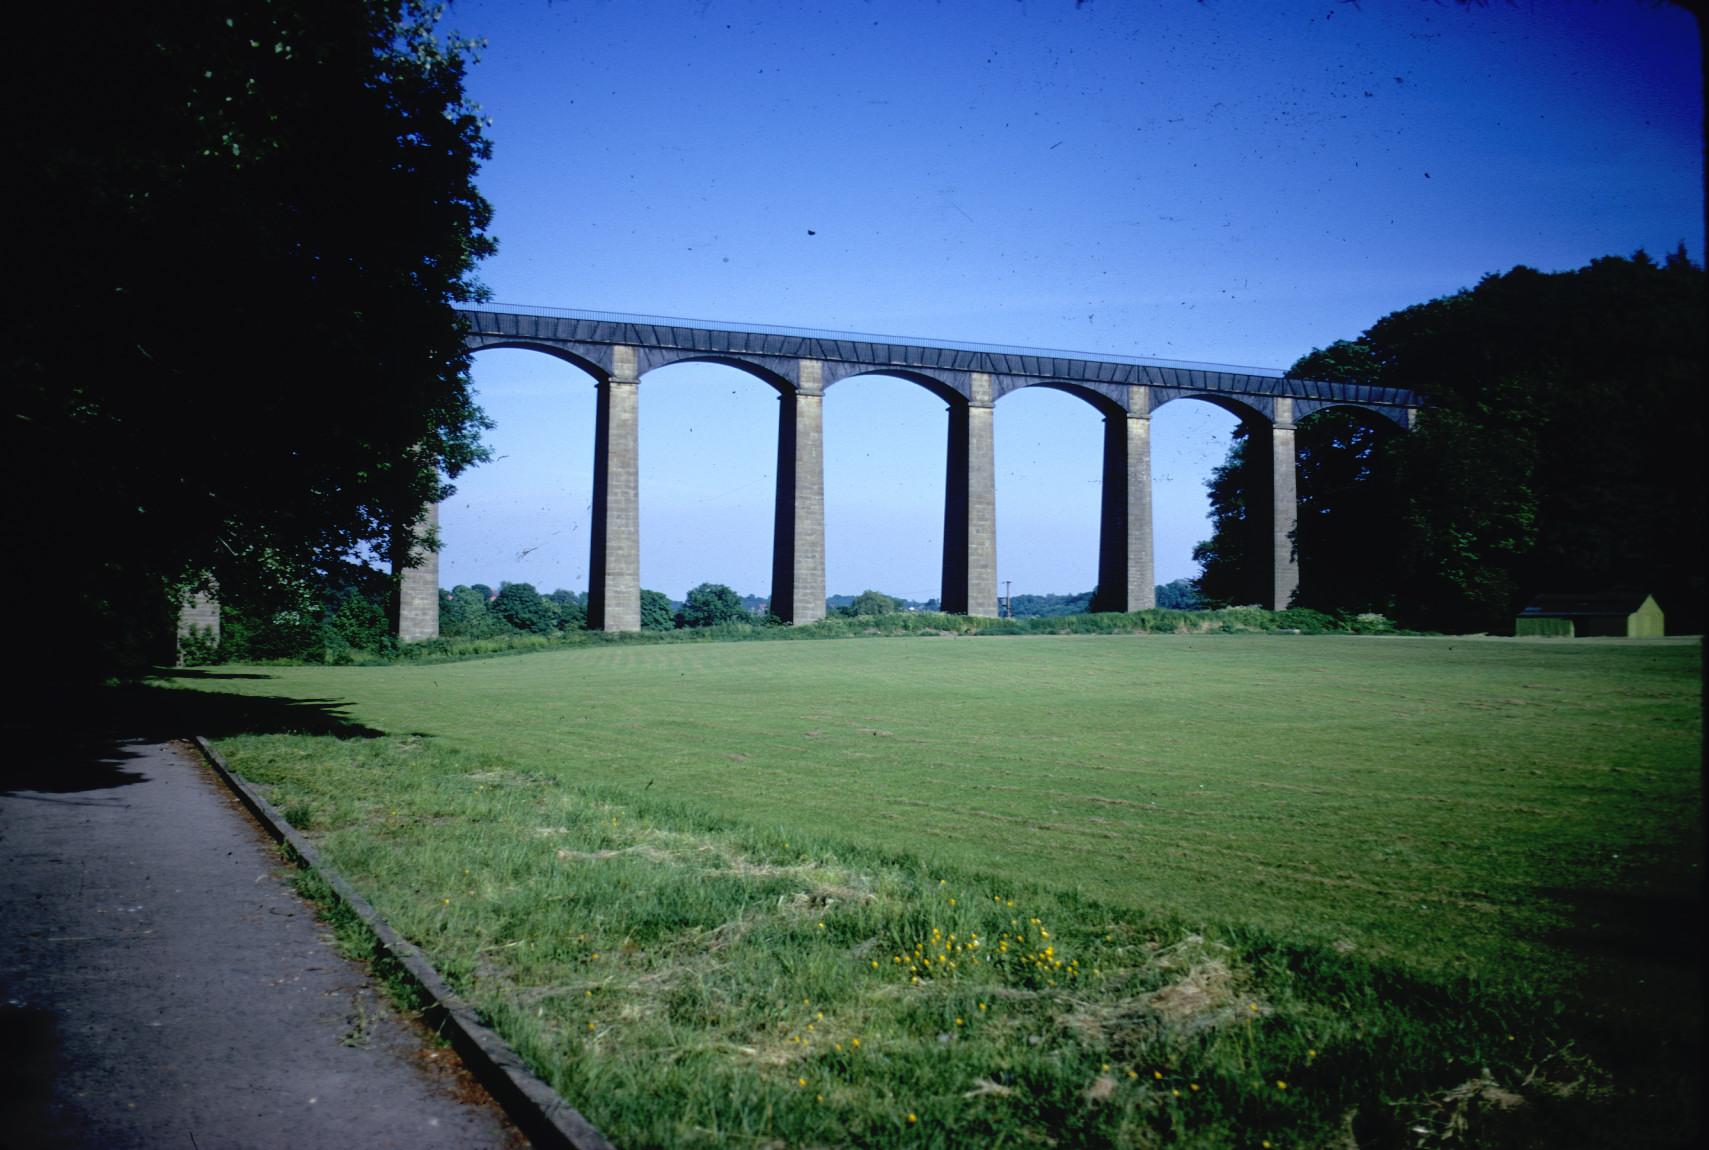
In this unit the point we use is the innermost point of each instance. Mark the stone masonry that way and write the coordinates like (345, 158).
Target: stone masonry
(618, 350)
(418, 587)
(614, 575)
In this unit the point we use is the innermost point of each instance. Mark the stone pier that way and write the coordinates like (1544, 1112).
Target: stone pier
(798, 526)
(1284, 508)
(970, 507)
(614, 567)
(418, 587)
(1125, 561)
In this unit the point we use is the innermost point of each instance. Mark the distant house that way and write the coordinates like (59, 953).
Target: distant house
(1623, 614)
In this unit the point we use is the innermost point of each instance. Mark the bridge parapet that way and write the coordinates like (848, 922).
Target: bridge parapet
(777, 353)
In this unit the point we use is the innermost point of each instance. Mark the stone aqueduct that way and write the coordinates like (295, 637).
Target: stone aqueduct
(618, 350)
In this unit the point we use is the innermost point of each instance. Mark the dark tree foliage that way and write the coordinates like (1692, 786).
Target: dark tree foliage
(242, 230)
(871, 602)
(1559, 449)
(354, 616)
(520, 606)
(1352, 511)
(1030, 606)
(571, 608)
(464, 614)
(476, 613)
(710, 604)
(1225, 574)
(1179, 595)
(656, 611)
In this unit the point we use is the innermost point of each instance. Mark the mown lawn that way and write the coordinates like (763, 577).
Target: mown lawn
(1287, 888)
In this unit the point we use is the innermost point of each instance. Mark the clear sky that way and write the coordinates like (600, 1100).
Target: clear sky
(1229, 181)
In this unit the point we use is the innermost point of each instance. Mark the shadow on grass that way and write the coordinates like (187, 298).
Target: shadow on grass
(75, 743)
(1639, 992)
(145, 709)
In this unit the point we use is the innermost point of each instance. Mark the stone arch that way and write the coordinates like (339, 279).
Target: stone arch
(1400, 417)
(1101, 399)
(1253, 411)
(969, 584)
(889, 536)
(1271, 573)
(773, 378)
(601, 371)
(944, 388)
(418, 586)
(1125, 561)
(1349, 528)
(686, 387)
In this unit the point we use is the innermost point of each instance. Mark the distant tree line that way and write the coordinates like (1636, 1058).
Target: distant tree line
(350, 613)
(478, 612)
(837, 604)
(1559, 449)
(1176, 595)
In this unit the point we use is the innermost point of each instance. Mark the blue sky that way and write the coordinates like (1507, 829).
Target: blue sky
(1216, 181)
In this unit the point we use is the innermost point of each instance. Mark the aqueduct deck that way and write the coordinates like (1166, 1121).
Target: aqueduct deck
(619, 350)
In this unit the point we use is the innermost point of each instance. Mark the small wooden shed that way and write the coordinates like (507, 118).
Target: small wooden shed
(1623, 614)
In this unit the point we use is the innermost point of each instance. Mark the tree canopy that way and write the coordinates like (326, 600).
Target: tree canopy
(710, 604)
(520, 606)
(243, 230)
(871, 602)
(656, 612)
(1559, 449)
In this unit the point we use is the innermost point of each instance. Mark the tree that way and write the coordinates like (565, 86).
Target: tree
(1026, 606)
(463, 614)
(1351, 531)
(871, 603)
(1225, 572)
(710, 604)
(520, 606)
(1178, 595)
(1558, 449)
(237, 353)
(656, 612)
(571, 609)
(357, 622)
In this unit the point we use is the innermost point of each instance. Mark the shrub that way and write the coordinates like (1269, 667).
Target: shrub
(520, 606)
(710, 604)
(1371, 623)
(656, 612)
(198, 647)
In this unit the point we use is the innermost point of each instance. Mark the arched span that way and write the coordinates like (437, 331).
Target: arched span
(1400, 417)
(600, 372)
(943, 389)
(779, 383)
(973, 371)
(1261, 411)
(1101, 402)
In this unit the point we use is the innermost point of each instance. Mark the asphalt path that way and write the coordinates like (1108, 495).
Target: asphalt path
(162, 986)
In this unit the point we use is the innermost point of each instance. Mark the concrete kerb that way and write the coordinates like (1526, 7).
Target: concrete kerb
(538, 1111)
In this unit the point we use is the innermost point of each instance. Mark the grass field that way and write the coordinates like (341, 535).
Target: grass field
(1218, 890)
